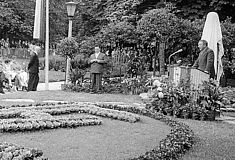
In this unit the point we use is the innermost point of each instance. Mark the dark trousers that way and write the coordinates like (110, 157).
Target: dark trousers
(96, 79)
(33, 81)
(1, 87)
(2, 77)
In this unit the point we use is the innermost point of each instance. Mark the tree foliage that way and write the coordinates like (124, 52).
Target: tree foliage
(16, 23)
(68, 47)
(118, 34)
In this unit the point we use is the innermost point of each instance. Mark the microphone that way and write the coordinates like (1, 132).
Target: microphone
(180, 50)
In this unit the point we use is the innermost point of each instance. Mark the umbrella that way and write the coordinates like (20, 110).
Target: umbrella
(213, 35)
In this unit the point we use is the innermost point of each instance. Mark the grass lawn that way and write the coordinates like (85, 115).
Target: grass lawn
(41, 96)
(216, 141)
(121, 139)
(113, 140)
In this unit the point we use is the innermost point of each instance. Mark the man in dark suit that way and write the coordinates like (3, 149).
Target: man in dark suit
(2, 78)
(33, 68)
(97, 61)
(205, 61)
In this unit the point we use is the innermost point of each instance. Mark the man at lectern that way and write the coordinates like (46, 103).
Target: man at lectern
(205, 60)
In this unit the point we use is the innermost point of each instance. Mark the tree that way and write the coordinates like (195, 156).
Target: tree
(15, 22)
(158, 25)
(68, 48)
(118, 34)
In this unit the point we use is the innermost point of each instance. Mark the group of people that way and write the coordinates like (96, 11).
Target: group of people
(27, 81)
(204, 62)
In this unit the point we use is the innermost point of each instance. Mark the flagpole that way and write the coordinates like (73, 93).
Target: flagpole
(47, 47)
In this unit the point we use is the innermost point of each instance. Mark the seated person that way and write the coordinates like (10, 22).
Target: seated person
(8, 71)
(21, 80)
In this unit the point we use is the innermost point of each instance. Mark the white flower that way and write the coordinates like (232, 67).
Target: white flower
(159, 89)
(160, 95)
(157, 83)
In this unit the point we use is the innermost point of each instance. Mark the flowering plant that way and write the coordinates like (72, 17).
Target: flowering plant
(135, 85)
(183, 101)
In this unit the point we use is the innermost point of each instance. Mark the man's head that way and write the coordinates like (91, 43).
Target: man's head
(33, 49)
(202, 44)
(97, 49)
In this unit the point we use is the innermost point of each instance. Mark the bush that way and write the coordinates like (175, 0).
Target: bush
(68, 47)
(182, 101)
(56, 63)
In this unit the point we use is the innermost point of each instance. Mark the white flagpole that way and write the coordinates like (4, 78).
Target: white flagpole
(47, 47)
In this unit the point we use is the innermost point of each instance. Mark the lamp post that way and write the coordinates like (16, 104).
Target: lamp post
(71, 7)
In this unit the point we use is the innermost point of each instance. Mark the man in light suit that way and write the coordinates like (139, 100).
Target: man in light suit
(97, 61)
(205, 61)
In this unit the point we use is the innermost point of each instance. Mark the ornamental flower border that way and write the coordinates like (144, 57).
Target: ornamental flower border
(8, 151)
(41, 117)
(180, 139)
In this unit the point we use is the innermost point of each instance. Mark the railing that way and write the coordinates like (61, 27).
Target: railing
(21, 53)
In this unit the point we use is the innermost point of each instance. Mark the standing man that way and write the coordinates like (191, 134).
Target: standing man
(2, 78)
(33, 68)
(97, 61)
(205, 61)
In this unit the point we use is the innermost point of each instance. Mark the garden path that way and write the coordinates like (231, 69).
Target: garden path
(52, 86)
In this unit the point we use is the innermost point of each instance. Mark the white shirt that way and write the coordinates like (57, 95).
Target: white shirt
(96, 55)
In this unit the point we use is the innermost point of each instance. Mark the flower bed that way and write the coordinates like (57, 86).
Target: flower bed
(183, 102)
(41, 117)
(88, 108)
(13, 152)
(180, 139)
(14, 125)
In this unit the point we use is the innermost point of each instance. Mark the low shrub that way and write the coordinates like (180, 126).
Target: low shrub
(133, 86)
(56, 63)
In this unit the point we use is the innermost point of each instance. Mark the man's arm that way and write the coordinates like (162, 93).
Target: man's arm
(195, 65)
(210, 61)
(103, 59)
(31, 62)
(91, 59)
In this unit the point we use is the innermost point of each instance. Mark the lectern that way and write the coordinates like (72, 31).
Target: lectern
(184, 73)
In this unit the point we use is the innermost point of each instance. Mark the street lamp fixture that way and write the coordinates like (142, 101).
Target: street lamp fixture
(71, 7)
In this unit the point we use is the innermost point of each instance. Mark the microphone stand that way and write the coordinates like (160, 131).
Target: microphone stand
(169, 59)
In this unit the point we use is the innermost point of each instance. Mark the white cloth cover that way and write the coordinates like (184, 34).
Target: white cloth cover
(213, 35)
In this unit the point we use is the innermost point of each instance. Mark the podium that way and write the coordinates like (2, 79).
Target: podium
(184, 73)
